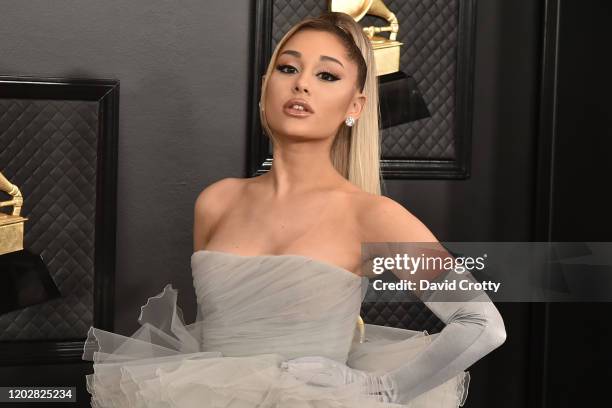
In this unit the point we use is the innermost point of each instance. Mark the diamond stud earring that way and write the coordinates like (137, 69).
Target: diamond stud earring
(350, 121)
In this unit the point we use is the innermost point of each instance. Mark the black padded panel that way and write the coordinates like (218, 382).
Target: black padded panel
(48, 148)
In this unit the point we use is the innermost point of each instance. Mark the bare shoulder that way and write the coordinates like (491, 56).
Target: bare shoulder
(382, 219)
(215, 196)
(210, 205)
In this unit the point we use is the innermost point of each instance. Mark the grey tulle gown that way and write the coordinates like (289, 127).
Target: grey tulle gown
(254, 312)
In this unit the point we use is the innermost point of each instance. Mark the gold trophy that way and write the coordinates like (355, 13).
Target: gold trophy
(24, 277)
(386, 50)
(11, 225)
(399, 97)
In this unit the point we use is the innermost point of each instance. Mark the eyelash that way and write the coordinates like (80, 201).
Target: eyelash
(335, 78)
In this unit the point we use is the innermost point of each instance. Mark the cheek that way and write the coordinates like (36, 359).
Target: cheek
(334, 105)
(274, 92)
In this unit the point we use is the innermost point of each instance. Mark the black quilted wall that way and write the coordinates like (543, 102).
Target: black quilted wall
(48, 149)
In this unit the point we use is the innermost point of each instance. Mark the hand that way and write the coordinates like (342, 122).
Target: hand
(322, 371)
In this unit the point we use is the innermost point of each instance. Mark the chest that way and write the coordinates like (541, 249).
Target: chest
(327, 231)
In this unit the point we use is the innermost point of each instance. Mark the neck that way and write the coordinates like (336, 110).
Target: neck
(302, 167)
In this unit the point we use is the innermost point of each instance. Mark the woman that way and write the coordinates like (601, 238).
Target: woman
(278, 270)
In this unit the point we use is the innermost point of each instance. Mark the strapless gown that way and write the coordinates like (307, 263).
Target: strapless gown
(254, 312)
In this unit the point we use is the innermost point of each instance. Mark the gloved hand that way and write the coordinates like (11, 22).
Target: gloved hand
(322, 371)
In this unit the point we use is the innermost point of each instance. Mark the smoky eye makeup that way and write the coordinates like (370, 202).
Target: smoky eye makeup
(326, 75)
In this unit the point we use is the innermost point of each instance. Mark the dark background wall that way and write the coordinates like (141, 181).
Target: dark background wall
(578, 363)
(183, 125)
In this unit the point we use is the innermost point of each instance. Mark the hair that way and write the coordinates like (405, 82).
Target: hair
(355, 152)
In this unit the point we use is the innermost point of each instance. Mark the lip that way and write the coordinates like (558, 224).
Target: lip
(294, 112)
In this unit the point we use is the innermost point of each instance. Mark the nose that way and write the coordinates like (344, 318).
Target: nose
(300, 85)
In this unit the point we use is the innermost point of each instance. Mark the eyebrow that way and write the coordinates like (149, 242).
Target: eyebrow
(322, 58)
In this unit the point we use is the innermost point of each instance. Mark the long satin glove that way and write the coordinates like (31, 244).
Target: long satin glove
(473, 329)
(325, 372)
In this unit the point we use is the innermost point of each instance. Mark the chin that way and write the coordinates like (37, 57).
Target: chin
(290, 127)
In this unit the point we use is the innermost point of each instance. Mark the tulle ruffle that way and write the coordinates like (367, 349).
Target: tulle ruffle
(163, 365)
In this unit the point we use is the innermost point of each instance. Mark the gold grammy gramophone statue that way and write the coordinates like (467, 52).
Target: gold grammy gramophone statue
(11, 225)
(399, 97)
(24, 277)
(386, 50)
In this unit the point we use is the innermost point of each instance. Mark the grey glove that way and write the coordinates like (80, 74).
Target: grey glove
(473, 329)
(322, 371)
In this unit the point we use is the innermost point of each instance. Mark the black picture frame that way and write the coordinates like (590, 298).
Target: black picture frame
(540, 313)
(106, 93)
(260, 156)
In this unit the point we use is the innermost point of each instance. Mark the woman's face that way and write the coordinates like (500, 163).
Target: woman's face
(312, 66)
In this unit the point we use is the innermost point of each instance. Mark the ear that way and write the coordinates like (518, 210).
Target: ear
(356, 105)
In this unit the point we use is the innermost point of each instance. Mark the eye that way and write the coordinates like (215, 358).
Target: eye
(330, 75)
(282, 67)
(325, 74)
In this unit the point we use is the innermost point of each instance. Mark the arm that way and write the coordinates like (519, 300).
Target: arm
(473, 328)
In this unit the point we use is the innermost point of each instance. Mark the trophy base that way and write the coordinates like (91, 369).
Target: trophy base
(24, 281)
(400, 100)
